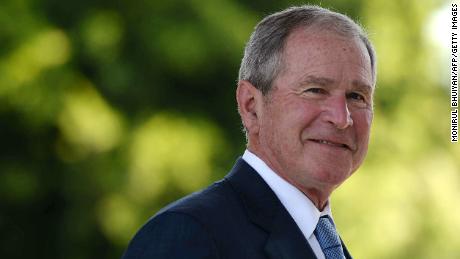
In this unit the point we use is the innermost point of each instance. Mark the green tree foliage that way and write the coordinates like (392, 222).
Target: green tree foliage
(111, 109)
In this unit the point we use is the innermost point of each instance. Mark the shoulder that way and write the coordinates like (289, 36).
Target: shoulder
(206, 202)
(185, 228)
(172, 235)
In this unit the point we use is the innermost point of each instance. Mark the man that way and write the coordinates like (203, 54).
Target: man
(305, 95)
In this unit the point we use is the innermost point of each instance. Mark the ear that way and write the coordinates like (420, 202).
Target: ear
(249, 100)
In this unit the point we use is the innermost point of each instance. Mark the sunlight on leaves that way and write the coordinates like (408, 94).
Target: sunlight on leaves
(47, 49)
(102, 34)
(87, 122)
(117, 218)
(170, 149)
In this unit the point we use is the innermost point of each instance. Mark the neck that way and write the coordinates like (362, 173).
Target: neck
(317, 193)
(318, 198)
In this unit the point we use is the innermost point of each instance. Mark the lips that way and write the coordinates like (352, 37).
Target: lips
(333, 143)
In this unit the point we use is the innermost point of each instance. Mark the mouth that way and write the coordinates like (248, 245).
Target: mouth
(336, 144)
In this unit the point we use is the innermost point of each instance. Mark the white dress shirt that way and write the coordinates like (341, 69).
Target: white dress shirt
(299, 206)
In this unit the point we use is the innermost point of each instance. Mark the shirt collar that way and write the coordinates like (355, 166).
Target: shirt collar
(299, 206)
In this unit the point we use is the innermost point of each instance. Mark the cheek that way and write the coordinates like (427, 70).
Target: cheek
(307, 111)
(289, 120)
(309, 116)
(362, 124)
(362, 121)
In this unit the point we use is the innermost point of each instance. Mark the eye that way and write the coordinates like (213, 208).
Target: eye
(315, 90)
(356, 96)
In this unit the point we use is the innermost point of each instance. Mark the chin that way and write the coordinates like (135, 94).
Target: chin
(333, 176)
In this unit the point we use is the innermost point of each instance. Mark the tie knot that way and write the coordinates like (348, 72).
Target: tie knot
(328, 238)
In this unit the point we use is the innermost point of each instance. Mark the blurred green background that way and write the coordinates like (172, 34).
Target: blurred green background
(111, 109)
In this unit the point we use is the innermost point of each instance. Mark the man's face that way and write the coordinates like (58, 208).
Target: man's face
(314, 123)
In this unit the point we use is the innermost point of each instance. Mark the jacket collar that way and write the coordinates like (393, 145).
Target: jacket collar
(285, 240)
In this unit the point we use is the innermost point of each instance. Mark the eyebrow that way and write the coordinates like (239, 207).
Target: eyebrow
(362, 86)
(325, 82)
(321, 81)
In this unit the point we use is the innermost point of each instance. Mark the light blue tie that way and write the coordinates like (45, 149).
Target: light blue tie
(328, 239)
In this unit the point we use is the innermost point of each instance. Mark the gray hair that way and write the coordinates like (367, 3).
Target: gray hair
(262, 59)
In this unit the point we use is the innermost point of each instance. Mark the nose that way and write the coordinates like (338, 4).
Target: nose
(337, 112)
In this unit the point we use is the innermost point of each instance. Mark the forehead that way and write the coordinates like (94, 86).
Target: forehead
(307, 49)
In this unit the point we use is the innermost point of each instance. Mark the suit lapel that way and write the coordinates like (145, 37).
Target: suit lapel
(285, 240)
(345, 251)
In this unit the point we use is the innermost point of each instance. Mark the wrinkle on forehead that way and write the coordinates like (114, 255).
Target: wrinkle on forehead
(325, 44)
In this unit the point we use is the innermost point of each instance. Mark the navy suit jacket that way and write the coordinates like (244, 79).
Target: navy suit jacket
(238, 217)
